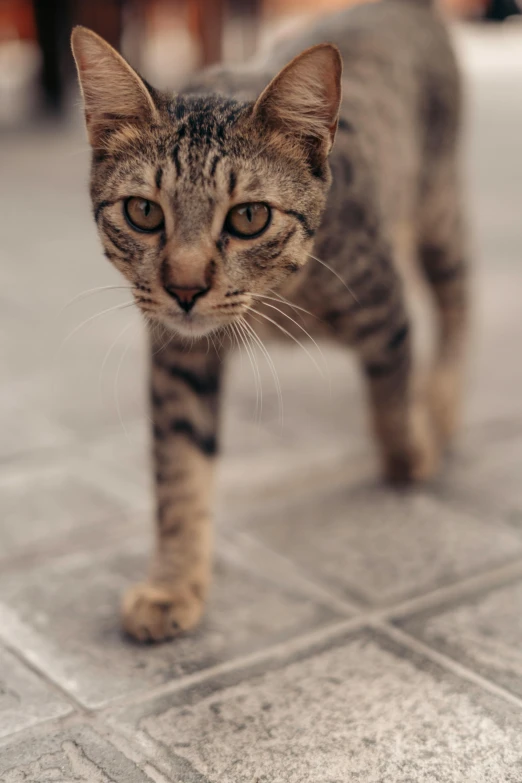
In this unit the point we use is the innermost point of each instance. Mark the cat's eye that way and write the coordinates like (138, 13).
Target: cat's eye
(143, 215)
(248, 220)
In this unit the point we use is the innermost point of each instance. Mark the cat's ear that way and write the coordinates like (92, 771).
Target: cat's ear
(113, 93)
(303, 99)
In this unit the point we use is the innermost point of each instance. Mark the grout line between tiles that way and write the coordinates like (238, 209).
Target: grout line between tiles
(126, 739)
(296, 574)
(44, 728)
(44, 676)
(366, 617)
(142, 757)
(279, 650)
(490, 578)
(377, 617)
(447, 663)
(468, 585)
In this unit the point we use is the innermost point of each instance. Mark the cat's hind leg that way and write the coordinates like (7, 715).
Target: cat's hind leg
(378, 327)
(400, 419)
(443, 255)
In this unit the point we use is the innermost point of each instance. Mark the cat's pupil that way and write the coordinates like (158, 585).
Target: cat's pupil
(146, 208)
(249, 214)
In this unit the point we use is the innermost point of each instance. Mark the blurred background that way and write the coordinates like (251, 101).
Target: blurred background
(75, 500)
(163, 39)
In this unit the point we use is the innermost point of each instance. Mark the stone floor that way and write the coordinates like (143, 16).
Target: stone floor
(354, 634)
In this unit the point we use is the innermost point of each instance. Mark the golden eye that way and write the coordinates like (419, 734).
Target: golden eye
(143, 215)
(248, 220)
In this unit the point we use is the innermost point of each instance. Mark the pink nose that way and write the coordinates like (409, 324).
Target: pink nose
(185, 297)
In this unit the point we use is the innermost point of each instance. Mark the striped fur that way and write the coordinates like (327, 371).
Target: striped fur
(334, 245)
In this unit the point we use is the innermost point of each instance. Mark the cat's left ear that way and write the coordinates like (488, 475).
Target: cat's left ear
(113, 93)
(303, 99)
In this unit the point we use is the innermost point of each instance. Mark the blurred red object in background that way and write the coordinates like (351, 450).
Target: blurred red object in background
(17, 20)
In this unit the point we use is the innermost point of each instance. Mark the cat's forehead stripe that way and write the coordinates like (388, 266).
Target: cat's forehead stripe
(206, 120)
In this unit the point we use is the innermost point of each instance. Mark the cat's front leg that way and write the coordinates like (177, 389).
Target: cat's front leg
(184, 395)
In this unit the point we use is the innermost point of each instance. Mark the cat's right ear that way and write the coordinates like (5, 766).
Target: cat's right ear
(113, 93)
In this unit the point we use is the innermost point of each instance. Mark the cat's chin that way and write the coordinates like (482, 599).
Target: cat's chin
(193, 326)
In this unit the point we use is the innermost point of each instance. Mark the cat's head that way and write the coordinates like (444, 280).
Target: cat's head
(205, 203)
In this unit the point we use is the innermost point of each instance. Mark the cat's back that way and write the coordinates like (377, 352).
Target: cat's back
(399, 69)
(398, 31)
(392, 47)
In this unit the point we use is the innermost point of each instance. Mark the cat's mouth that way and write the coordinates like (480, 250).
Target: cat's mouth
(202, 318)
(191, 324)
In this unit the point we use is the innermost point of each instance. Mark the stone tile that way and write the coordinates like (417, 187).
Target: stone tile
(322, 398)
(483, 631)
(25, 700)
(248, 453)
(254, 458)
(324, 421)
(65, 618)
(487, 478)
(495, 376)
(45, 504)
(73, 755)
(73, 397)
(379, 545)
(359, 707)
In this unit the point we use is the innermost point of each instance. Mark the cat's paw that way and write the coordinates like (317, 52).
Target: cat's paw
(410, 465)
(153, 613)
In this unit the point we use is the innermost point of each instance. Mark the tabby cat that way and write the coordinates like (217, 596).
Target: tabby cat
(228, 199)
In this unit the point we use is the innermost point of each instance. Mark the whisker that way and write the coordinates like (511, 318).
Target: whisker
(90, 291)
(216, 348)
(221, 338)
(255, 369)
(92, 318)
(290, 304)
(170, 337)
(338, 276)
(323, 357)
(82, 151)
(107, 355)
(262, 297)
(288, 334)
(235, 341)
(116, 394)
(271, 365)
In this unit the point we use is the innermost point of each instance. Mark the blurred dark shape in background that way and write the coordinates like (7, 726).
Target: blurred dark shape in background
(163, 39)
(34, 39)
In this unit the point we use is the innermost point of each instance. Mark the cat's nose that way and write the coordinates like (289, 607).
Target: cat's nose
(185, 297)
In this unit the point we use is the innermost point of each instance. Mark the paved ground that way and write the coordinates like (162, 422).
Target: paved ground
(354, 634)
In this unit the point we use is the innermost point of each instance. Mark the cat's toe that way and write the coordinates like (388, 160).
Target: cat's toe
(154, 613)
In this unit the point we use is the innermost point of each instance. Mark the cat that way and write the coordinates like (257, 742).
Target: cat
(225, 201)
